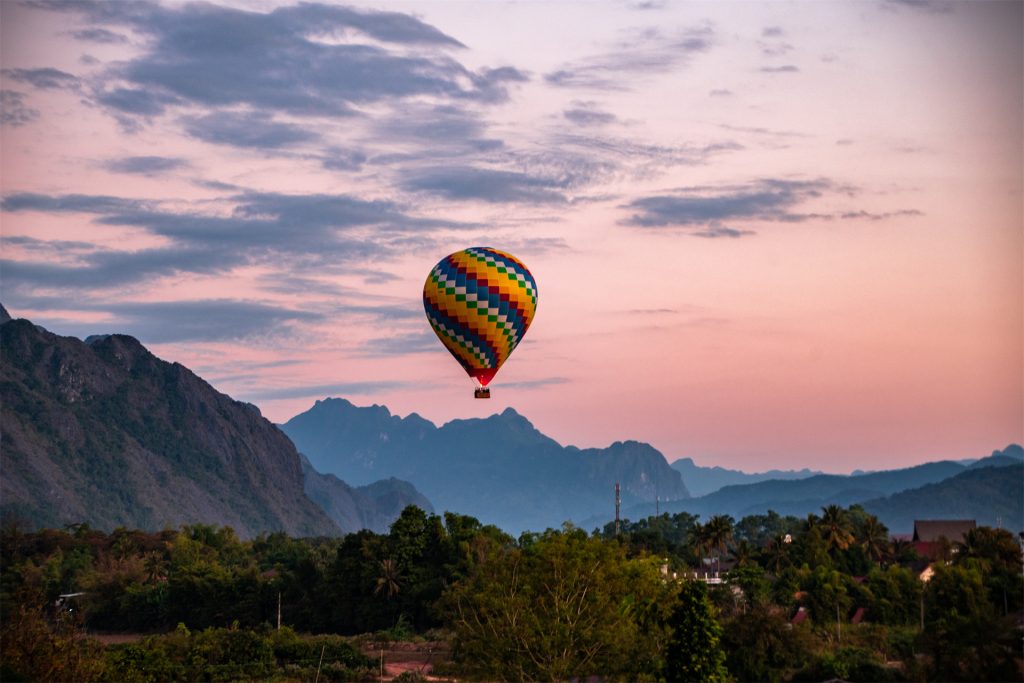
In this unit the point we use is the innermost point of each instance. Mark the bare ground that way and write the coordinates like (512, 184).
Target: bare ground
(399, 657)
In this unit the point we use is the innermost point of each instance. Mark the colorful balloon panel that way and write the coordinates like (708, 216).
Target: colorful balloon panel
(480, 302)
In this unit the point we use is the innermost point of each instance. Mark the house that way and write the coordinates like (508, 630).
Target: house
(931, 530)
(935, 539)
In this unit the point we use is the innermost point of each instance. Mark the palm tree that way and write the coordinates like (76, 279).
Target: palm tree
(719, 533)
(835, 528)
(387, 582)
(742, 553)
(699, 540)
(776, 553)
(154, 565)
(874, 538)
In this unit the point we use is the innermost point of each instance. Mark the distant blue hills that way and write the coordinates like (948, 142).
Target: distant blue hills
(704, 480)
(499, 469)
(104, 432)
(504, 471)
(989, 490)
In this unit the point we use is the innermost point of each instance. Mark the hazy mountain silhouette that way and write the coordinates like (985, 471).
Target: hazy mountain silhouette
(993, 496)
(804, 496)
(106, 433)
(374, 506)
(499, 469)
(701, 480)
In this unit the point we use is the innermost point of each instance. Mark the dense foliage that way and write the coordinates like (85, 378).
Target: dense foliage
(828, 596)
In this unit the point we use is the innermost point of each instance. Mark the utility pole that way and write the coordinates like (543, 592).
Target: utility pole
(618, 502)
(839, 626)
(922, 609)
(657, 506)
(279, 609)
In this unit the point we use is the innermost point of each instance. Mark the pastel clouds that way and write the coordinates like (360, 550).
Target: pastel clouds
(259, 190)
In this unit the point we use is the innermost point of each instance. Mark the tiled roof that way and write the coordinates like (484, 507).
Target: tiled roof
(932, 529)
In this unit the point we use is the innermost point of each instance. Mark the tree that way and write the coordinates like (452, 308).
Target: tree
(743, 554)
(387, 581)
(34, 649)
(836, 528)
(902, 552)
(763, 646)
(967, 638)
(894, 596)
(694, 651)
(873, 536)
(776, 554)
(719, 529)
(995, 548)
(557, 606)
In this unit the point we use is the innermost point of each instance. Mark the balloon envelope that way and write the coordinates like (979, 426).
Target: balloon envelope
(480, 302)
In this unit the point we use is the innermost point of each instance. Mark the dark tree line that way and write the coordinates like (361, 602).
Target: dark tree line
(545, 606)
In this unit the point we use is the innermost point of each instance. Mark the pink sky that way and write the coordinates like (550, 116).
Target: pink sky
(765, 235)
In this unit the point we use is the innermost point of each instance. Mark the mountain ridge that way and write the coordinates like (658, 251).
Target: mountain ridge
(800, 497)
(500, 468)
(106, 433)
(702, 480)
(990, 495)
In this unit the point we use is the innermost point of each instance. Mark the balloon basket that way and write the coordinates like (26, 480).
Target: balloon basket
(481, 392)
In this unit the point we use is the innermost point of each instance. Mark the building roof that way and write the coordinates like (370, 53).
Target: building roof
(930, 530)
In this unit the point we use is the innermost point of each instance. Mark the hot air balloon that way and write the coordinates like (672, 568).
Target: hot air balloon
(480, 302)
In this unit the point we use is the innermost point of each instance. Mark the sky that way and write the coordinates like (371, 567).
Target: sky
(764, 234)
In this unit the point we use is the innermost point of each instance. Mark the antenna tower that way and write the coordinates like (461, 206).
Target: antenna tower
(618, 502)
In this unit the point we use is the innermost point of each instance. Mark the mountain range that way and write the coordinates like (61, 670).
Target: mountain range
(499, 469)
(106, 433)
(373, 506)
(702, 480)
(991, 489)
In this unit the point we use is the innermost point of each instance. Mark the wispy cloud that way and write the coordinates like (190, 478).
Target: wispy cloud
(928, 6)
(878, 216)
(70, 203)
(273, 229)
(430, 131)
(206, 320)
(775, 48)
(145, 165)
(45, 79)
(588, 114)
(157, 322)
(716, 230)
(486, 184)
(304, 60)
(766, 200)
(535, 383)
(760, 130)
(252, 130)
(707, 210)
(99, 35)
(339, 159)
(644, 52)
(13, 110)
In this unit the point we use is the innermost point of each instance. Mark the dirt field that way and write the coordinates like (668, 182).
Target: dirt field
(401, 657)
